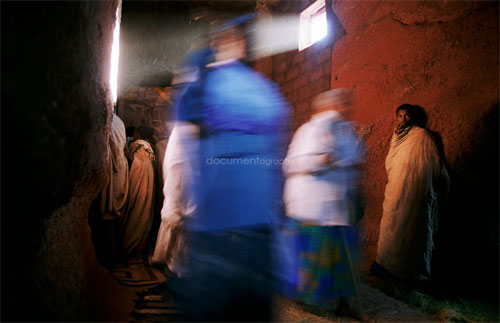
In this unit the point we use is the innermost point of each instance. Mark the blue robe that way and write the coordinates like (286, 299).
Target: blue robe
(243, 120)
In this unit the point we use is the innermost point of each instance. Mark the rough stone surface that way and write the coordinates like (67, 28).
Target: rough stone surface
(357, 15)
(143, 106)
(303, 74)
(56, 115)
(442, 56)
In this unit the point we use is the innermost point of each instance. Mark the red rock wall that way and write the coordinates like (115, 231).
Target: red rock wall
(56, 116)
(300, 74)
(443, 56)
(143, 106)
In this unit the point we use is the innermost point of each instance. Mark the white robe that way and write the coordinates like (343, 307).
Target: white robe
(139, 217)
(114, 195)
(318, 192)
(416, 175)
(178, 202)
(161, 147)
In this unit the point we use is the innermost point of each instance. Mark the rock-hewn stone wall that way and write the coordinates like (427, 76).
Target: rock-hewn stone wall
(443, 56)
(143, 106)
(56, 115)
(301, 74)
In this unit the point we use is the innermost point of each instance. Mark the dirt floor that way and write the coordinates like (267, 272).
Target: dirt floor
(154, 303)
(378, 307)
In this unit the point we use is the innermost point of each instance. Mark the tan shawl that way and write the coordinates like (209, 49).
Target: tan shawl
(137, 223)
(410, 210)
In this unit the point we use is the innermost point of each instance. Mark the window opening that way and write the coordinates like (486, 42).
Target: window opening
(313, 24)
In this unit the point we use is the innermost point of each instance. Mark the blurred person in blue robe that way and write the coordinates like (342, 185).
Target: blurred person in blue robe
(180, 158)
(242, 120)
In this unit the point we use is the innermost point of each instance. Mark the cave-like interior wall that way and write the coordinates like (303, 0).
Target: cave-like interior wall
(443, 56)
(56, 110)
(303, 74)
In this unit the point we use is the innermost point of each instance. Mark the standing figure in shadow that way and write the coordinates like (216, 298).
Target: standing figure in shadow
(111, 205)
(137, 222)
(416, 190)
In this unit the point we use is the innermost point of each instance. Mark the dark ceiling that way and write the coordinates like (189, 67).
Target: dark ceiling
(155, 36)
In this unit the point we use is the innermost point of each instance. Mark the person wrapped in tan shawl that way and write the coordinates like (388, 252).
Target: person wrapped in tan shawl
(417, 188)
(139, 217)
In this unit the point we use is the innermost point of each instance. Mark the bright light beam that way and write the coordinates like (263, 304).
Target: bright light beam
(274, 35)
(115, 54)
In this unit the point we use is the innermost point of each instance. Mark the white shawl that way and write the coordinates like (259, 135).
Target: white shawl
(410, 211)
(318, 192)
(114, 195)
(178, 202)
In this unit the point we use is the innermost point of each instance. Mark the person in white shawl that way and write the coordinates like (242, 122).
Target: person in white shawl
(322, 175)
(113, 198)
(139, 217)
(179, 201)
(416, 189)
(114, 195)
(179, 169)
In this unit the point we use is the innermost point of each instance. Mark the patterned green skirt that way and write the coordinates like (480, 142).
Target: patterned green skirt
(319, 265)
